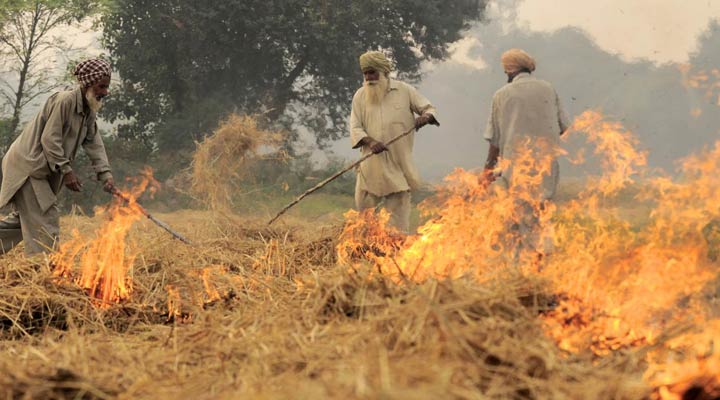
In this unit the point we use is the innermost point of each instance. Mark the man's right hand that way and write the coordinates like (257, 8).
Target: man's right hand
(71, 181)
(376, 146)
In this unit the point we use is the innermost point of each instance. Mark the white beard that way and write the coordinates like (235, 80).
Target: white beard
(92, 100)
(375, 91)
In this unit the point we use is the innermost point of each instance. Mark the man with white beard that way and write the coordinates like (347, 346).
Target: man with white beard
(38, 163)
(383, 109)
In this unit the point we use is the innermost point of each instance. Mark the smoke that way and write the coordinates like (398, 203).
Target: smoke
(670, 119)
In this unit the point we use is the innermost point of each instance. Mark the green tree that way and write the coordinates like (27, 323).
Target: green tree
(29, 31)
(187, 63)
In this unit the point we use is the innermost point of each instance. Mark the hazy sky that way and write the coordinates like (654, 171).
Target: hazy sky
(662, 31)
(658, 30)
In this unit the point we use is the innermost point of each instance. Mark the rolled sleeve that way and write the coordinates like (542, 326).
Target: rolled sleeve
(421, 105)
(103, 176)
(563, 119)
(357, 131)
(492, 131)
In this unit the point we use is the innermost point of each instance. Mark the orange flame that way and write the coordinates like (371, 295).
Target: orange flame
(174, 303)
(706, 80)
(105, 261)
(476, 229)
(619, 285)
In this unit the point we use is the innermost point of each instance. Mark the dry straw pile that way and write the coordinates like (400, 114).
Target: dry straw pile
(222, 162)
(287, 312)
(257, 312)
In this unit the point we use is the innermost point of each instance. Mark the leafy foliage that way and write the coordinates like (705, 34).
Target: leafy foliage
(29, 31)
(185, 64)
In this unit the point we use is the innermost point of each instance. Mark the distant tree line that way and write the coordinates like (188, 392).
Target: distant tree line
(183, 65)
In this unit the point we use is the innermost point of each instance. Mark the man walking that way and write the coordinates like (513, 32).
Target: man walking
(526, 120)
(383, 109)
(524, 131)
(38, 163)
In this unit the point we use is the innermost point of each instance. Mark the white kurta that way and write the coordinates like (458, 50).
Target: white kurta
(527, 110)
(394, 170)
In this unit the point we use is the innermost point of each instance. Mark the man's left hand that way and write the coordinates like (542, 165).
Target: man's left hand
(422, 120)
(109, 185)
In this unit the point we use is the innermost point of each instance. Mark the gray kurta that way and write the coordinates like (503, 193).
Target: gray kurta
(394, 170)
(35, 163)
(527, 108)
(49, 143)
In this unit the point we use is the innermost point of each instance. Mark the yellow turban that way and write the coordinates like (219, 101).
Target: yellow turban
(375, 60)
(515, 60)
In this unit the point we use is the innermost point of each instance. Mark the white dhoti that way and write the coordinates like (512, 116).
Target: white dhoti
(397, 204)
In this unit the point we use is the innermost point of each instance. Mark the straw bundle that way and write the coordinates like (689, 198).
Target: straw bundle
(223, 161)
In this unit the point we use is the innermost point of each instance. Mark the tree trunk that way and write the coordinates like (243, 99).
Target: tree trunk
(283, 92)
(27, 58)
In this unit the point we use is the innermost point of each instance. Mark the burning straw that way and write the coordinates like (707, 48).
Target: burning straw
(223, 161)
(617, 287)
(613, 312)
(105, 260)
(262, 313)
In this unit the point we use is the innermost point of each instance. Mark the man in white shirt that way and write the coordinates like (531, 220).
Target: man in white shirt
(524, 131)
(526, 116)
(383, 109)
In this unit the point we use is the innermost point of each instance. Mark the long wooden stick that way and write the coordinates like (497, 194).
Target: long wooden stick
(157, 222)
(334, 176)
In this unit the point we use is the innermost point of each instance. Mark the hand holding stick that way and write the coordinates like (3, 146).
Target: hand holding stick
(344, 170)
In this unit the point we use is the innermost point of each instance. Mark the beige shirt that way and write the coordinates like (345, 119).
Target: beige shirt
(47, 146)
(527, 108)
(393, 170)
